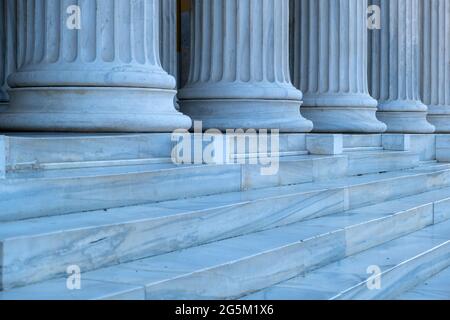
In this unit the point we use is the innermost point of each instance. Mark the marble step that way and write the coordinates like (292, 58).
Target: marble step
(435, 288)
(380, 161)
(101, 238)
(35, 194)
(33, 151)
(403, 263)
(237, 266)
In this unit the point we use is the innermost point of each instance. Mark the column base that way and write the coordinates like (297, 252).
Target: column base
(406, 122)
(344, 119)
(257, 114)
(92, 109)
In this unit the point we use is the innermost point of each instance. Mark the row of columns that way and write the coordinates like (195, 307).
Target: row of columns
(246, 70)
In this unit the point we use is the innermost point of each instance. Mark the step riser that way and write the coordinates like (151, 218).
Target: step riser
(42, 198)
(101, 246)
(50, 150)
(29, 260)
(382, 163)
(36, 198)
(266, 269)
(403, 277)
(377, 192)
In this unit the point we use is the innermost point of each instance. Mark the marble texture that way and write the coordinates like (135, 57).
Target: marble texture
(269, 256)
(443, 148)
(329, 50)
(357, 141)
(399, 254)
(100, 239)
(394, 67)
(239, 69)
(397, 142)
(70, 191)
(424, 145)
(380, 161)
(398, 279)
(69, 85)
(326, 144)
(90, 290)
(435, 62)
(435, 288)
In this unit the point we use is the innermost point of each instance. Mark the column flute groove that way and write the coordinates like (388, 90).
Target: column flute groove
(7, 47)
(435, 68)
(239, 74)
(394, 67)
(105, 76)
(329, 65)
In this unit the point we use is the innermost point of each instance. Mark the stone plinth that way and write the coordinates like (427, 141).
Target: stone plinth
(394, 67)
(102, 74)
(329, 65)
(239, 76)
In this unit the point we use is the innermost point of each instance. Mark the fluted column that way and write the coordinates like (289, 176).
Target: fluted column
(329, 65)
(7, 47)
(168, 40)
(394, 67)
(105, 76)
(435, 71)
(239, 71)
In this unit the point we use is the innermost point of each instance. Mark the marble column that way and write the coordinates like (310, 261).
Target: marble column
(394, 67)
(435, 70)
(98, 71)
(329, 65)
(7, 47)
(168, 39)
(239, 70)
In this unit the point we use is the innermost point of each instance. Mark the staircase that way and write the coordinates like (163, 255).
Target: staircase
(140, 227)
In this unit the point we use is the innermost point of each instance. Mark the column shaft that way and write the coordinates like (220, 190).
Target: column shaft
(435, 69)
(168, 39)
(7, 46)
(329, 65)
(239, 70)
(105, 76)
(394, 67)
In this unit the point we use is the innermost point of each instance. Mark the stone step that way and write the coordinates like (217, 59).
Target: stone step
(35, 194)
(435, 288)
(380, 161)
(234, 267)
(33, 151)
(403, 263)
(101, 238)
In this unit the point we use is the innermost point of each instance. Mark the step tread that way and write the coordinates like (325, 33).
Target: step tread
(172, 265)
(166, 209)
(435, 288)
(129, 168)
(329, 281)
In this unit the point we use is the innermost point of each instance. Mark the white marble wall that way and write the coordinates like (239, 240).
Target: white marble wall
(435, 71)
(7, 47)
(394, 67)
(329, 65)
(105, 76)
(239, 70)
